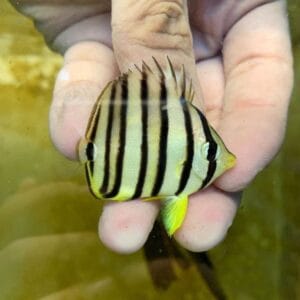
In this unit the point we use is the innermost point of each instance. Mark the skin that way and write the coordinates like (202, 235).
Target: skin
(243, 79)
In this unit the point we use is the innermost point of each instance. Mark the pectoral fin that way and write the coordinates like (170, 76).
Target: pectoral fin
(173, 212)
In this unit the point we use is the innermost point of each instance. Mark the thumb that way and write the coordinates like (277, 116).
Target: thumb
(142, 29)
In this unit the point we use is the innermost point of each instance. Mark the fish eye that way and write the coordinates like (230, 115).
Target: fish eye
(90, 151)
(206, 151)
(86, 151)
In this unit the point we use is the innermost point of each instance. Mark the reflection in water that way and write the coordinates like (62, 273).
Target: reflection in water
(167, 262)
(48, 220)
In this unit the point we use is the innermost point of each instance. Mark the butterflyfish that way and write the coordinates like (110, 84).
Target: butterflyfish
(145, 139)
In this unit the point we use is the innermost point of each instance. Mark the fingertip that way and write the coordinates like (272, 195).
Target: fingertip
(124, 227)
(209, 216)
(69, 114)
(90, 51)
(88, 66)
(254, 135)
(238, 178)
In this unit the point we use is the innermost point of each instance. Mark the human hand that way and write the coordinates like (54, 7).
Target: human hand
(243, 78)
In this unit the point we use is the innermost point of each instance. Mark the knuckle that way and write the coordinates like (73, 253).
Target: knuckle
(158, 25)
(167, 9)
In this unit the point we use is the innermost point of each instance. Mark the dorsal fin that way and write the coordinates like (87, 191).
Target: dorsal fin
(161, 72)
(186, 93)
(137, 67)
(146, 68)
(172, 70)
(192, 96)
(172, 75)
(183, 82)
(179, 83)
(172, 79)
(191, 93)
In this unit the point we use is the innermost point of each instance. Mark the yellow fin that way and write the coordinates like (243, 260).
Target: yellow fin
(173, 212)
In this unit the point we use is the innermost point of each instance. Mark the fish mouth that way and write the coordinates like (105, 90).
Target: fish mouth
(230, 161)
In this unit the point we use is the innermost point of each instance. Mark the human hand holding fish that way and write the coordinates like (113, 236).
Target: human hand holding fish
(242, 81)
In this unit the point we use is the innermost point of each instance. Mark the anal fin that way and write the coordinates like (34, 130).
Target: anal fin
(173, 212)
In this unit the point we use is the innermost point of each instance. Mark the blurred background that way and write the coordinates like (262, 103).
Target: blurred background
(49, 247)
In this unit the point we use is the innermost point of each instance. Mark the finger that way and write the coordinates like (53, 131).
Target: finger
(88, 66)
(258, 75)
(211, 78)
(142, 29)
(124, 227)
(210, 213)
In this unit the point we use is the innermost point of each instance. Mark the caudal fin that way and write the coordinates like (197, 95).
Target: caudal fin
(173, 212)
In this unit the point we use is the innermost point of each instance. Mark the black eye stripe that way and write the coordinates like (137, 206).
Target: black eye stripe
(90, 151)
(213, 147)
(212, 151)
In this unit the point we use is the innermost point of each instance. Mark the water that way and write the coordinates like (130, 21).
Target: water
(48, 220)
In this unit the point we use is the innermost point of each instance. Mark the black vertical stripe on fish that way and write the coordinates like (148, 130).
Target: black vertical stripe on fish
(87, 176)
(163, 139)
(91, 138)
(144, 144)
(122, 139)
(189, 147)
(90, 127)
(105, 181)
(92, 165)
(212, 150)
(90, 152)
(212, 165)
(95, 124)
(92, 124)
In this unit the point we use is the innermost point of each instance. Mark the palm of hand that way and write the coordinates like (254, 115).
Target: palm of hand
(244, 69)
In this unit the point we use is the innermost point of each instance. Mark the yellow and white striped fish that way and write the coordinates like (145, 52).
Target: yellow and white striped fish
(145, 139)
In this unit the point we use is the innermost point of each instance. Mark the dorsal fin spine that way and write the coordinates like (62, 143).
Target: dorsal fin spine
(183, 88)
(137, 67)
(172, 71)
(162, 74)
(183, 83)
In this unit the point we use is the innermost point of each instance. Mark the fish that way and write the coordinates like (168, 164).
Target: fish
(146, 139)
